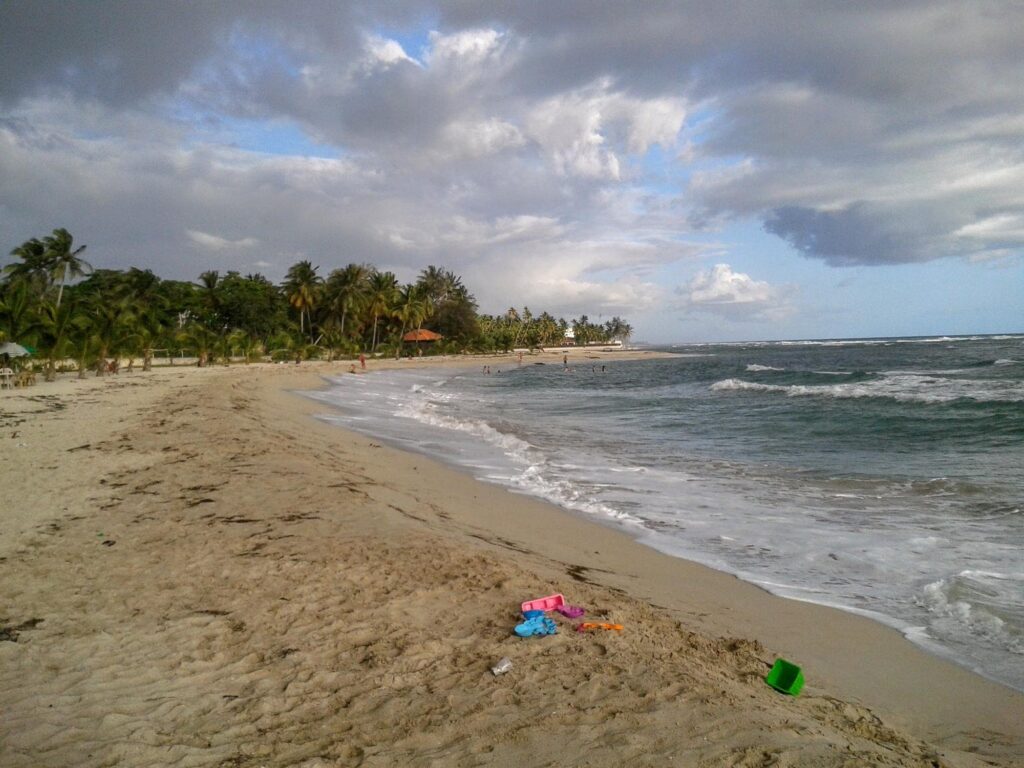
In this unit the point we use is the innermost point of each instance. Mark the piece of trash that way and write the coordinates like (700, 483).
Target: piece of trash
(538, 625)
(548, 603)
(786, 677)
(597, 625)
(570, 611)
(503, 666)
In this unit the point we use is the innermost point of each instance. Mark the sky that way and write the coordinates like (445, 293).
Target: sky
(709, 171)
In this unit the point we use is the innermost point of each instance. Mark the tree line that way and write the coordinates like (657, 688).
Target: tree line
(52, 300)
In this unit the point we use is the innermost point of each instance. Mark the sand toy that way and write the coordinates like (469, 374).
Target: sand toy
(538, 625)
(570, 611)
(785, 677)
(597, 625)
(548, 603)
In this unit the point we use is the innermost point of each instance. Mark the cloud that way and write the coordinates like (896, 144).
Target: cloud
(562, 151)
(857, 234)
(577, 129)
(384, 51)
(471, 47)
(209, 242)
(1004, 228)
(479, 138)
(734, 295)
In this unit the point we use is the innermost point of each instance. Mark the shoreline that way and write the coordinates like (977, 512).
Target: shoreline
(911, 632)
(850, 677)
(281, 591)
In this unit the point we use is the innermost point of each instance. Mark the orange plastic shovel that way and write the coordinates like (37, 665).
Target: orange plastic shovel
(597, 625)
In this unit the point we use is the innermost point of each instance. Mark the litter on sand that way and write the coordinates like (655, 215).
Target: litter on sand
(503, 666)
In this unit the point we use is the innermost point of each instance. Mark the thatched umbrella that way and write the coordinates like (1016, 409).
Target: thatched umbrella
(421, 334)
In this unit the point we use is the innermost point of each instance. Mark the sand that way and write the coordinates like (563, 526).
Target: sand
(196, 572)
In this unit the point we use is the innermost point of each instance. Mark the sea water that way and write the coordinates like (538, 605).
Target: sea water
(880, 476)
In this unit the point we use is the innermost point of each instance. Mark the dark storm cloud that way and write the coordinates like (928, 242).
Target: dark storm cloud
(855, 235)
(123, 51)
(117, 51)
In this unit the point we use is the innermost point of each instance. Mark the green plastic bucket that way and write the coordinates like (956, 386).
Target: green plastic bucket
(785, 677)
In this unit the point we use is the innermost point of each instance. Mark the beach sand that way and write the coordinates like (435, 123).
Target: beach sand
(196, 572)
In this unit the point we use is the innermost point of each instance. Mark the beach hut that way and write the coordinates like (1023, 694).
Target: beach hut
(422, 335)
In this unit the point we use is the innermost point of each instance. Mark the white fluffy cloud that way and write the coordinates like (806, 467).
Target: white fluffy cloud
(575, 129)
(735, 295)
(385, 51)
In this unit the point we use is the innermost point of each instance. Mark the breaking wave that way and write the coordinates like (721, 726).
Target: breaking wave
(901, 388)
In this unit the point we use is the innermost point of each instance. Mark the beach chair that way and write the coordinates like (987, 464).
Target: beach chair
(6, 378)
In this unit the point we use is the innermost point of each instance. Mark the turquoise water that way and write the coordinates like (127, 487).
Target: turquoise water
(881, 476)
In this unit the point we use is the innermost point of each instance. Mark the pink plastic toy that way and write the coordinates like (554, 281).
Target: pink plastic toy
(570, 611)
(548, 603)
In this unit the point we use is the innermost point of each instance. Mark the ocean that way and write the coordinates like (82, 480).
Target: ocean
(879, 476)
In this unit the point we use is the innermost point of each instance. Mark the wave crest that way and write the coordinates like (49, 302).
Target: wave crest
(906, 389)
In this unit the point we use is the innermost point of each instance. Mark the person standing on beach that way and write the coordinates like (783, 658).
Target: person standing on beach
(362, 361)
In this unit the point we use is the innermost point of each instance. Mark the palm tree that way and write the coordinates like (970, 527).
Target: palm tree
(617, 328)
(209, 295)
(582, 330)
(440, 285)
(302, 284)
(548, 330)
(17, 316)
(58, 326)
(110, 326)
(344, 290)
(200, 337)
(524, 321)
(62, 261)
(32, 270)
(241, 341)
(148, 306)
(380, 297)
(83, 349)
(412, 307)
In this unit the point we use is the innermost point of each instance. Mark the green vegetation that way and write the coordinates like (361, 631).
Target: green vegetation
(134, 314)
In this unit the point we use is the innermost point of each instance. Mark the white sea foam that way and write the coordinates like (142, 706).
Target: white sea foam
(970, 604)
(902, 388)
(426, 412)
(755, 367)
